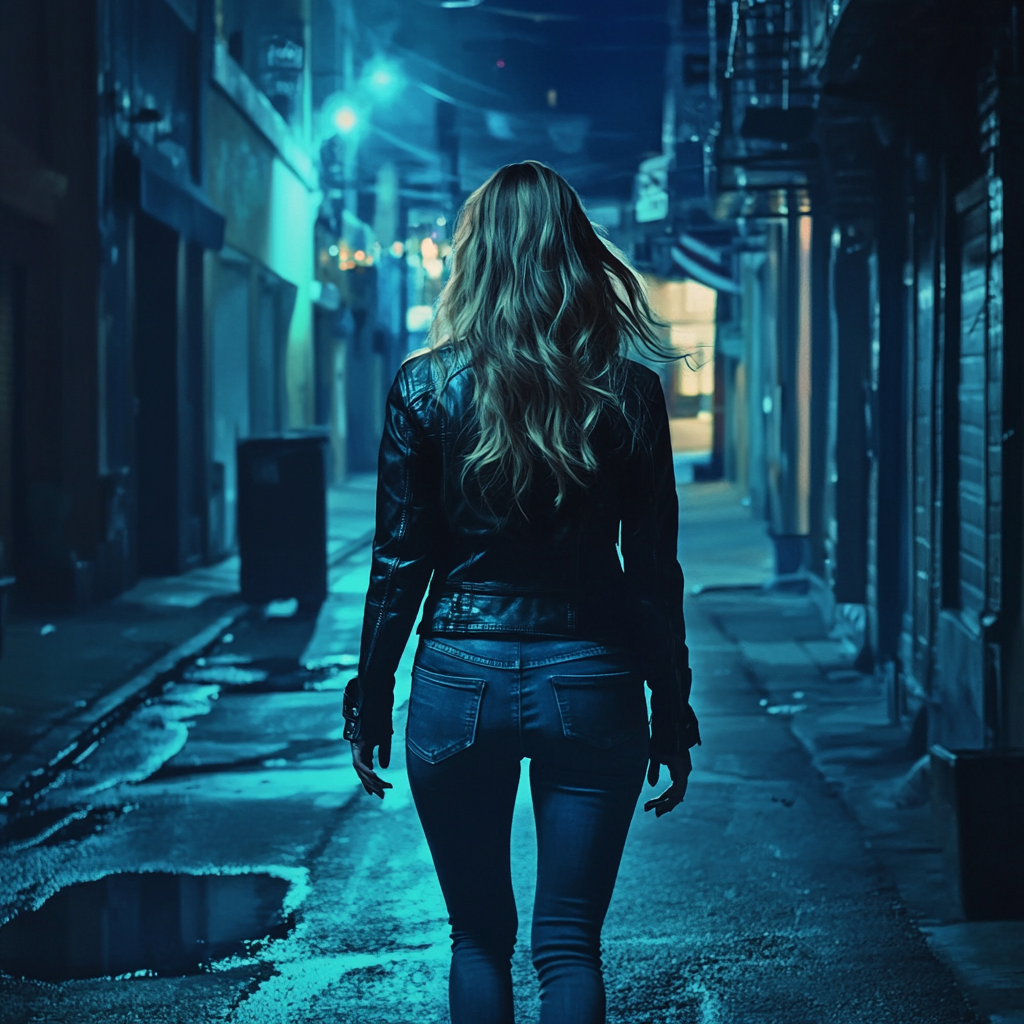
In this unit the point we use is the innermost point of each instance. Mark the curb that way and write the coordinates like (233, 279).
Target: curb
(25, 779)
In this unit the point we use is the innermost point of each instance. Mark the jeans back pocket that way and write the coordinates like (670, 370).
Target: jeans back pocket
(601, 709)
(443, 713)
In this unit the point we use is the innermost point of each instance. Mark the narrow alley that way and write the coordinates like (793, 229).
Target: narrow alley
(791, 229)
(763, 900)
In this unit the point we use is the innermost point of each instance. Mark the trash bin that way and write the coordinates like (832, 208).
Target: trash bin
(978, 802)
(282, 518)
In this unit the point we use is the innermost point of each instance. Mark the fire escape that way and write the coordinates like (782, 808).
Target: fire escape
(762, 161)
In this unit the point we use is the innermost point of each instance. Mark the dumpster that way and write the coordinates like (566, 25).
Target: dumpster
(282, 518)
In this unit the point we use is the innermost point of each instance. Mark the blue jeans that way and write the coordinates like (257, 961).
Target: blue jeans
(577, 710)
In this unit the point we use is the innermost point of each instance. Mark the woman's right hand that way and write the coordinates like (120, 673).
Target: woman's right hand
(362, 761)
(679, 768)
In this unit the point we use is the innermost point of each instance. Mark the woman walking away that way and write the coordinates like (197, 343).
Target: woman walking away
(517, 452)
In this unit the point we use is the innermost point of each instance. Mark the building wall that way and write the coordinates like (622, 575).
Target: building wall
(940, 184)
(914, 505)
(270, 214)
(48, 242)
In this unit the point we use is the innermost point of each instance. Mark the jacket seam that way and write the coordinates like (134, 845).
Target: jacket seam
(386, 600)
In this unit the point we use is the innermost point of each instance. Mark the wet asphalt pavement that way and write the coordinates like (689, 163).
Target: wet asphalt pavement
(756, 901)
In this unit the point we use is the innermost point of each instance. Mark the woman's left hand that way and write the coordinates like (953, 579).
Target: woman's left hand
(679, 768)
(362, 761)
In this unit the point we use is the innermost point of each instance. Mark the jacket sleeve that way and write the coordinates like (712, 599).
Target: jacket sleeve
(404, 547)
(650, 531)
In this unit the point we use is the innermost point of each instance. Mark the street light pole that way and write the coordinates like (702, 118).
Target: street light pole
(350, 197)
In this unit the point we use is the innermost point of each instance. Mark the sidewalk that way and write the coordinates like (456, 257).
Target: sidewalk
(62, 672)
(805, 676)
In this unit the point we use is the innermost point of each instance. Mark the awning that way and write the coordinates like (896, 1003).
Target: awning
(181, 206)
(704, 264)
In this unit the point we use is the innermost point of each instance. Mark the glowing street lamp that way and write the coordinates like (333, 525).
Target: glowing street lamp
(343, 114)
(382, 79)
(345, 119)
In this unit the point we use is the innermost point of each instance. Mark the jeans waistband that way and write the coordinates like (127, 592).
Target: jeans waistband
(527, 652)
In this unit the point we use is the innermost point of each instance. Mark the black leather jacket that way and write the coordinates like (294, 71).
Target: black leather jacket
(554, 572)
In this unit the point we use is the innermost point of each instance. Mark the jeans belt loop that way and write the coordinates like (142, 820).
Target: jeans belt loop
(463, 605)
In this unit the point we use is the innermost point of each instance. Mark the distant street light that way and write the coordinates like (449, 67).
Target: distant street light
(343, 114)
(345, 119)
(347, 116)
(382, 79)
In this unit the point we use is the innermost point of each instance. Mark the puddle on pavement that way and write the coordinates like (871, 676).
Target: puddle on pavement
(161, 923)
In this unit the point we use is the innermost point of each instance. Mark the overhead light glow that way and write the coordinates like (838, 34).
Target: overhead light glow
(345, 119)
(382, 79)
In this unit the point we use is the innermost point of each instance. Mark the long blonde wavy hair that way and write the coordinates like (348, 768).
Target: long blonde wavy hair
(542, 308)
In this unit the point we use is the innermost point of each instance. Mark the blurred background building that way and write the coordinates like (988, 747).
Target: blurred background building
(864, 158)
(222, 219)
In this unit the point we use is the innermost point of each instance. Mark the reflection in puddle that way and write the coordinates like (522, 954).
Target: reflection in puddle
(170, 924)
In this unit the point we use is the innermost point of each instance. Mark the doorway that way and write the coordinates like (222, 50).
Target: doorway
(169, 406)
(230, 389)
(268, 394)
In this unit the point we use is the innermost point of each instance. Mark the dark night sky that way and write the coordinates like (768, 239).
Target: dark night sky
(603, 58)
